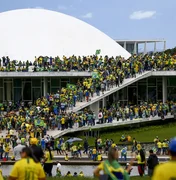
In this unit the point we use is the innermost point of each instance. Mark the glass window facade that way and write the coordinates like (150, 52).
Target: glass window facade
(145, 90)
(17, 83)
(55, 82)
(27, 95)
(171, 81)
(171, 93)
(36, 93)
(171, 88)
(36, 82)
(1, 82)
(17, 94)
(1, 95)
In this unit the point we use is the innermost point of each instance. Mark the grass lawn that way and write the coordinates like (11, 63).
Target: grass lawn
(143, 134)
(84, 178)
(77, 178)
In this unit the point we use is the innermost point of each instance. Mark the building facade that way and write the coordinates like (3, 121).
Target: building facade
(152, 89)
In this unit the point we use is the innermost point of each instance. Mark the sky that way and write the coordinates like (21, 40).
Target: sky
(120, 19)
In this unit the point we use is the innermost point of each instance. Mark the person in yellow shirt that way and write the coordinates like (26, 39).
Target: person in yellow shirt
(68, 174)
(66, 157)
(48, 165)
(141, 161)
(81, 174)
(159, 146)
(2, 139)
(74, 151)
(139, 147)
(6, 150)
(27, 168)
(0, 173)
(164, 147)
(94, 154)
(63, 123)
(167, 171)
(1, 177)
(99, 157)
(113, 145)
(32, 134)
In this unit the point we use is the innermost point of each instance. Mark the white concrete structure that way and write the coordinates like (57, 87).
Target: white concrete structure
(27, 33)
(115, 123)
(132, 46)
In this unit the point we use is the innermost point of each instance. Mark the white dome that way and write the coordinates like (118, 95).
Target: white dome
(27, 33)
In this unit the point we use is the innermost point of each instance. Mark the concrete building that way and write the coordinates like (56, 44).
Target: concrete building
(132, 46)
(33, 32)
(28, 86)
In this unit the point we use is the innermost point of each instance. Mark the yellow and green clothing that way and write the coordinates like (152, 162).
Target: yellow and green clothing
(114, 170)
(165, 171)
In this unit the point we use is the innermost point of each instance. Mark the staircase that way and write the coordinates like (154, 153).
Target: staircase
(127, 82)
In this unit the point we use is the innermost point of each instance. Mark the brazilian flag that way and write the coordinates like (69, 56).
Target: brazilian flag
(71, 86)
(95, 75)
(39, 122)
(98, 51)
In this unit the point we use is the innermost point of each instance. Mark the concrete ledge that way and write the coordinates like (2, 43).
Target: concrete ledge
(46, 74)
(73, 73)
(83, 163)
(108, 125)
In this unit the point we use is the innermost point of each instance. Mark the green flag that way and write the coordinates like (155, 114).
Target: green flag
(71, 86)
(95, 75)
(98, 51)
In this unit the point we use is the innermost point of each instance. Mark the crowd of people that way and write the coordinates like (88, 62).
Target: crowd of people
(37, 119)
(32, 120)
(13, 143)
(44, 149)
(158, 61)
(31, 159)
(51, 111)
(113, 170)
(109, 71)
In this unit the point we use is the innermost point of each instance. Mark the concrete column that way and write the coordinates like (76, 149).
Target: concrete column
(124, 45)
(145, 47)
(164, 46)
(95, 107)
(135, 48)
(154, 47)
(104, 102)
(45, 86)
(164, 84)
